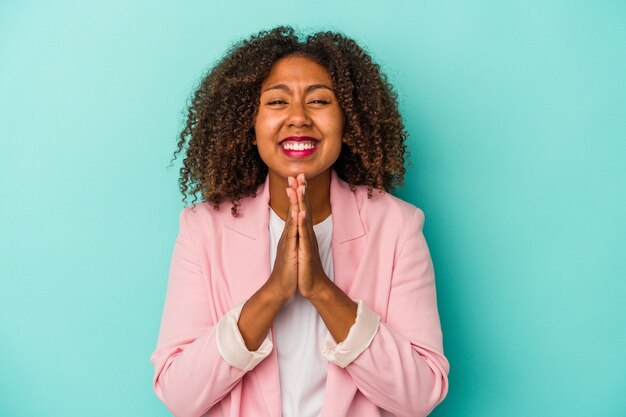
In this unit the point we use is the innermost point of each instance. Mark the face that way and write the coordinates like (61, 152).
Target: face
(299, 124)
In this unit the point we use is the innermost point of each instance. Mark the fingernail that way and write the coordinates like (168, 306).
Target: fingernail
(293, 214)
(290, 181)
(303, 215)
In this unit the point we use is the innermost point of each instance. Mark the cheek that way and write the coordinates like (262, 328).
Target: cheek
(267, 119)
(339, 121)
(259, 124)
(339, 130)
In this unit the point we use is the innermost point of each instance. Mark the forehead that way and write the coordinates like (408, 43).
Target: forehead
(297, 69)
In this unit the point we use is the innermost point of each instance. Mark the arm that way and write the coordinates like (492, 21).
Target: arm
(404, 370)
(191, 374)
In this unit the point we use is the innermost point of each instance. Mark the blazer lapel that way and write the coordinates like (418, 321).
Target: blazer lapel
(245, 244)
(348, 233)
(347, 247)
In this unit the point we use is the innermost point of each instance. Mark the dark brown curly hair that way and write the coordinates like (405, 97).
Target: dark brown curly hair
(222, 163)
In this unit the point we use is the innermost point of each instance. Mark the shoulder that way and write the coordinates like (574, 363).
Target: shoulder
(205, 213)
(387, 209)
(202, 221)
(389, 221)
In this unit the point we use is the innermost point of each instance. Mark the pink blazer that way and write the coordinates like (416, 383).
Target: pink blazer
(380, 256)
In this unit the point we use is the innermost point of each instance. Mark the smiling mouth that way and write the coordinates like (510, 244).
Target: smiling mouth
(299, 143)
(299, 146)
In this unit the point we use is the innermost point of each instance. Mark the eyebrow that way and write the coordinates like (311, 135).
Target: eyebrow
(307, 90)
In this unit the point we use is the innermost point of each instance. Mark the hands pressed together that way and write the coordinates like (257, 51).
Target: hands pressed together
(298, 267)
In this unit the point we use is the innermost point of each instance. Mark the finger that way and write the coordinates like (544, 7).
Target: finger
(303, 233)
(305, 221)
(301, 179)
(294, 209)
(291, 223)
(304, 205)
(305, 218)
(291, 185)
(301, 221)
(301, 192)
(293, 195)
(293, 206)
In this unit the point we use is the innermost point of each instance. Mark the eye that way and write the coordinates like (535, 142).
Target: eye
(269, 103)
(319, 102)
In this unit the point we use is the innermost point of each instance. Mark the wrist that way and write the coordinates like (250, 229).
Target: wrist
(274, 293)
(319, 292)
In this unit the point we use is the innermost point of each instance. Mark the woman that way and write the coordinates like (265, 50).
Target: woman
(314, 294)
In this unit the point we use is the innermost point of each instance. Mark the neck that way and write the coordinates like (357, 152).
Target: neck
(318, 191)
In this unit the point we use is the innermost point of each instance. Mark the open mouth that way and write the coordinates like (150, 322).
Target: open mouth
(299, 146)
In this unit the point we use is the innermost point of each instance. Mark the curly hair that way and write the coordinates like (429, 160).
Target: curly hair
(222, 163)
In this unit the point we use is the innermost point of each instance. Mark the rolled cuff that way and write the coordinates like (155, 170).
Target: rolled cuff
(359, 338)
(232, 347)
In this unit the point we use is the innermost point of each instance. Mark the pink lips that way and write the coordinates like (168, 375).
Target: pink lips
(295, 140)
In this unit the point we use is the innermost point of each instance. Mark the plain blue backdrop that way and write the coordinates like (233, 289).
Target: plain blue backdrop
(516, 114)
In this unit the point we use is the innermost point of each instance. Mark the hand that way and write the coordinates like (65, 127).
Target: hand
(284, 277)
(335, 307)
(311, 275)
(259, 311)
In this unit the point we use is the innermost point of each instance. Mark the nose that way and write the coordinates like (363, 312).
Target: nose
(298, 115)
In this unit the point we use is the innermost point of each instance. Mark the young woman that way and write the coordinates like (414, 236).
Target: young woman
(313, 294)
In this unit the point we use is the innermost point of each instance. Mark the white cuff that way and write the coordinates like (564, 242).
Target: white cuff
(232, 347)
(359, 338)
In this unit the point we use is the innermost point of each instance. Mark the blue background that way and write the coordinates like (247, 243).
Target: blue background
(516, 113)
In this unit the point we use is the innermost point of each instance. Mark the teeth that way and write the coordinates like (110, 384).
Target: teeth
(298, 146)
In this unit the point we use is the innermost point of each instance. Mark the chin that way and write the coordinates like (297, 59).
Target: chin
(295, 171)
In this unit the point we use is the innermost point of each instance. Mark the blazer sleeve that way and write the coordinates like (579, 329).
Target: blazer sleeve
(191, 375)
(404, 370)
